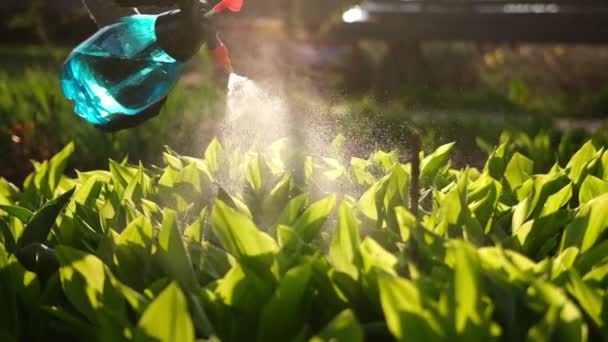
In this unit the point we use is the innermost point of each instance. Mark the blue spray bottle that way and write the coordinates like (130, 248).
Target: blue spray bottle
(121, 76)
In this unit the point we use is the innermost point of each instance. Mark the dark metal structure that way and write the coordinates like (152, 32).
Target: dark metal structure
(514, 21)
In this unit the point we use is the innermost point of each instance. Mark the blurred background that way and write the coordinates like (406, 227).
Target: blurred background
(455, 70)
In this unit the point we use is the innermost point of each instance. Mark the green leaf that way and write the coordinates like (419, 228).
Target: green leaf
(588, 225)
(563, 321)
(343, 328)
(534, 233)
(214, 261)
(36, 187)
(214, 155)
(495, 166)
(166, 318)
(121, 177)
(8, 191)
(594, 256)
(517, 266)
(83, 278)
(287, 237)
(43, 220)
(543, 186)
(581, 161)
(598, 275)
(396, 194)
(307, 226)
(591, 188)
(407, 222)
(172, 254)
(368, 203)
(134, 190)
(246, 293)
(173, 161)
(385, 160)
(102, 175)
(557, 200)
(42, 183)
(87, 193)
(9, 319)
(430, 166)
(524, 190)
(274, 203)
(28, 287)
(77, 324)
(374, 256)
(194, 231)
(8, 239)
(344, 250)
(293, 209)
(518, 170)
(454, 217)
(38, 258)
(254, 174)
(564, 262)
(278, 153)
(136, 300)
(85, 196)
(590, 299)
(466, 284)
(57, 165)
(483, 197)
(333, 169)
(238, 234)
(233, 202)
(23, 214)
(168, 177)
(133, 250)
(560, 323)
(359, 168)
(281, 318)
(192, 176)
(403, 310)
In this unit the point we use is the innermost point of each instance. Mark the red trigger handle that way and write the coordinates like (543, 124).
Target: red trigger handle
(231, 5)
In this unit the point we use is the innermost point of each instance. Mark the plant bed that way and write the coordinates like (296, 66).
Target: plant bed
(277, 245)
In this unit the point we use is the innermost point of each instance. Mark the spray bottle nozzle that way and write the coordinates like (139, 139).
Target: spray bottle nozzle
(222, 57)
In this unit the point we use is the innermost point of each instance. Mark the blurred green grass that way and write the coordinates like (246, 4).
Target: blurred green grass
(15, 60)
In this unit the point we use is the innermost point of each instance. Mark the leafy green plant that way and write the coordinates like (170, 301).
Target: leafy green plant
(232, 247)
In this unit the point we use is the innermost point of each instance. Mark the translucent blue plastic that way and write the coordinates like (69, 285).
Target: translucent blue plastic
(119, 70)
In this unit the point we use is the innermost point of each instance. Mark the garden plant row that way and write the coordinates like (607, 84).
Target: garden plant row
(276, 245)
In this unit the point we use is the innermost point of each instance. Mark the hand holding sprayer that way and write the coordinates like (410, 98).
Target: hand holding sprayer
(121, 76)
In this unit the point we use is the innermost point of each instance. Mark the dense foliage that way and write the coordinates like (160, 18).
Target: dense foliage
(254, 245)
